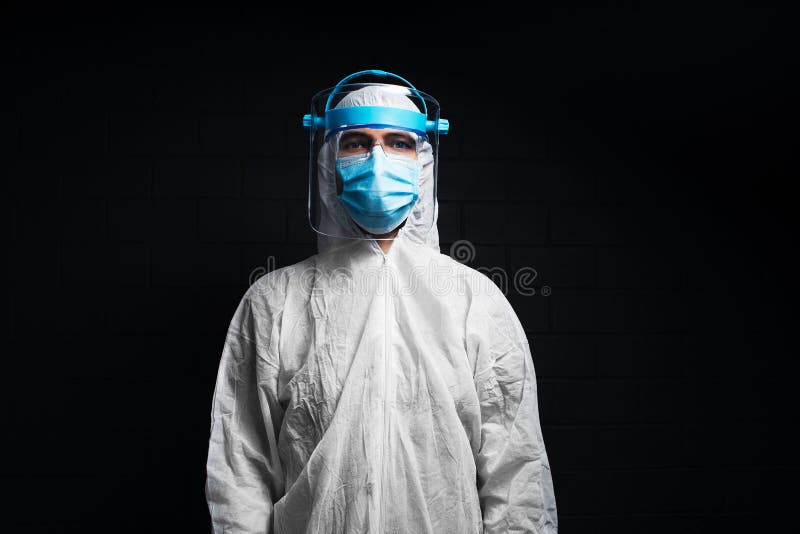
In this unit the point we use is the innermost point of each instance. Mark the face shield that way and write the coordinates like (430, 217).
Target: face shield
(374, 159)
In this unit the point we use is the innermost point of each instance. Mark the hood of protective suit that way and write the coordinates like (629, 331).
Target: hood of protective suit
(334, 220)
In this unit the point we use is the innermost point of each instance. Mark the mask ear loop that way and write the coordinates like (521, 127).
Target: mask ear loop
(337, 181)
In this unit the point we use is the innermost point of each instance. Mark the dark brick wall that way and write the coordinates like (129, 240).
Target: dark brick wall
(636, 159)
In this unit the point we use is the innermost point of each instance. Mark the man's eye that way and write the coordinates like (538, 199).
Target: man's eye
(401, 145)
(352, 143)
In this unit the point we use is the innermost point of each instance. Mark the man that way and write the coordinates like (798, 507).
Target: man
(377, 386)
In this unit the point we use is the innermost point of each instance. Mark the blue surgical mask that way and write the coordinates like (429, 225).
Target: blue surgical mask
(378, 190)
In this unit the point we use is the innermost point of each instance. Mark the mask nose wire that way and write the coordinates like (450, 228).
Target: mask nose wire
(377, 143)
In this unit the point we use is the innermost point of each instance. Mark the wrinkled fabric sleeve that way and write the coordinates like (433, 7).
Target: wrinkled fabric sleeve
(243, 472)
(515, 486)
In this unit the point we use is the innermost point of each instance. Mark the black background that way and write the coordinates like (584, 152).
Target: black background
(636, 158)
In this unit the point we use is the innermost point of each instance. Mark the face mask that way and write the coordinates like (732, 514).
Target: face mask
(379, 190)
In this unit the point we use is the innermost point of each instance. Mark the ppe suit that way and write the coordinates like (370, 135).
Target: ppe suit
(363, 391)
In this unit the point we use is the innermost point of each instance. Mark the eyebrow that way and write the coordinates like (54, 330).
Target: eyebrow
(396, 133)
(350, 135)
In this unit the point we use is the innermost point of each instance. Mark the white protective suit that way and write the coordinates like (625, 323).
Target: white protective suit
(381, 393)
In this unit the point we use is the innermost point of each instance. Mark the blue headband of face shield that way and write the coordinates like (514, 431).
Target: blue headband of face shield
(374, 117)
(338, 119)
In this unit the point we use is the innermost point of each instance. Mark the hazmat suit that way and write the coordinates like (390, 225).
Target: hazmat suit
(363, 391)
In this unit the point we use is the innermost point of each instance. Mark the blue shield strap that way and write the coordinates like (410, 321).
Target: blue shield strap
(401, 118)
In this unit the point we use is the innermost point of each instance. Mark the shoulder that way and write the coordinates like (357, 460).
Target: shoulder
(261, 307)
(268, 293)
(489, 306)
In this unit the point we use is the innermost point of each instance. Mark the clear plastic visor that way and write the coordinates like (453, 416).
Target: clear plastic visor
(337, 211)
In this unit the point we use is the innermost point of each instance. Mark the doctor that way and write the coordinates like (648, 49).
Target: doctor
(378, 386)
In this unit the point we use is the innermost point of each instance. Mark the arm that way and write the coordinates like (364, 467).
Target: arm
(244, 476)
(515, 485)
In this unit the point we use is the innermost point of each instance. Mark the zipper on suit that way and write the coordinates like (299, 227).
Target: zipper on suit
(386, 288)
